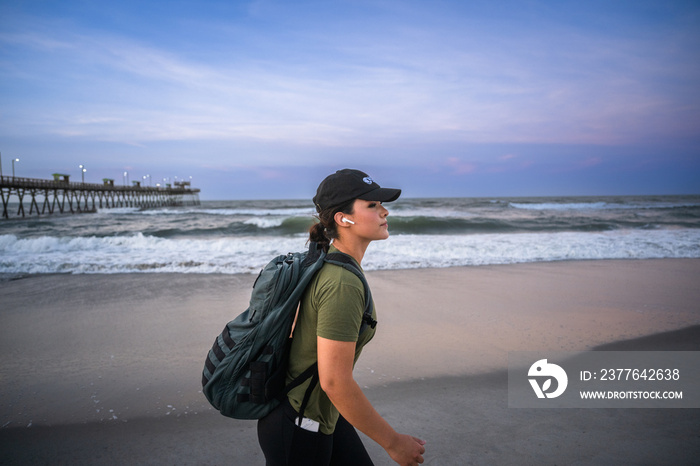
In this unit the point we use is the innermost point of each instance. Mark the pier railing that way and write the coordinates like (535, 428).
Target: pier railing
(62, 196)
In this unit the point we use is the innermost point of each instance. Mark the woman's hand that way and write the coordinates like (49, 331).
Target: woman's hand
(406, 450)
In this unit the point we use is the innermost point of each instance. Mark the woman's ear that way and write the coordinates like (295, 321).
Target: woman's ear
(338, 217)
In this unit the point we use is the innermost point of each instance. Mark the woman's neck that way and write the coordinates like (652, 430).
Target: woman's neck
(354, 249)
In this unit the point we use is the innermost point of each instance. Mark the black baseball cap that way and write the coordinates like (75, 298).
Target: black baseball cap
(346, 185)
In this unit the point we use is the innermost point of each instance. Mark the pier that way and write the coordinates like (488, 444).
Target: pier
(60, 195)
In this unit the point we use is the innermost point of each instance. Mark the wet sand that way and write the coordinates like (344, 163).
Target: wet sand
(105, 369)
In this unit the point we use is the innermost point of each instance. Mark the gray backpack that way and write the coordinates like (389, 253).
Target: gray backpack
(245, 371)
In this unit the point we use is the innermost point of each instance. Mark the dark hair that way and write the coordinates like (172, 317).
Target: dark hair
(325, 230)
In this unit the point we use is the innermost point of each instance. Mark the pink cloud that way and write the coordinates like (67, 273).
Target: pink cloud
(459, 167)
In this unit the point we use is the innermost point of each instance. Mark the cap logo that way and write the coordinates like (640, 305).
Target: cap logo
(368, 180)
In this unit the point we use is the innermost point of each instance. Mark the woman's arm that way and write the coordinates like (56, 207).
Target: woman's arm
(335, 362)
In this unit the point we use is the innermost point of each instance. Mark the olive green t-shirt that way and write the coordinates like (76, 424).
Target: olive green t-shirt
(331, 307)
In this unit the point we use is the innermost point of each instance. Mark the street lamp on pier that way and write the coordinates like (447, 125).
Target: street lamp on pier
(126, 178)
(82, 172)
(13, 167)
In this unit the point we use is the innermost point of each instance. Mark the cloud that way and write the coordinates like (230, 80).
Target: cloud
(34, 40)
(416, 86)
(385, 82)
(459, 167)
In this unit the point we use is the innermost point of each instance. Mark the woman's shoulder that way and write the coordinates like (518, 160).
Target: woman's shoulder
(332, 275)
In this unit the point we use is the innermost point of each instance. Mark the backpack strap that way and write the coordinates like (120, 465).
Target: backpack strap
(345, 261)
(307, 394)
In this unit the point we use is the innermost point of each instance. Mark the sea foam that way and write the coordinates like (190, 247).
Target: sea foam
(141, 253)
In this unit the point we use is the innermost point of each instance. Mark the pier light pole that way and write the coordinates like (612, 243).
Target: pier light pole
(82, 172)
(0, 165)
(126, 178)
(13, 167)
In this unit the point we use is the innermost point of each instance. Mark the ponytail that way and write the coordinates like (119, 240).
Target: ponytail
(326, 230)
(318, 236)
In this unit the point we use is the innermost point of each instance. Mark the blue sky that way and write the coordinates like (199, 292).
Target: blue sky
(262, 99)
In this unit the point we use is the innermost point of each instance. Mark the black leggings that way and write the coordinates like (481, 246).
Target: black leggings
(286, 444)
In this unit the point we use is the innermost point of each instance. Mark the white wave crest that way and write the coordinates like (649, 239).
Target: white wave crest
(266, 222)
(556, 206)
(140, 253)
(413, 251)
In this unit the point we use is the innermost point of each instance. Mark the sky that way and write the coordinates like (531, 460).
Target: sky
(262, 99)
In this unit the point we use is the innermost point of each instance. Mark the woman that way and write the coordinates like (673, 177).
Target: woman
(328, 331)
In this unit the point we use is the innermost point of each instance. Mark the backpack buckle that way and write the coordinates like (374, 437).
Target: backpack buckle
(370, 321)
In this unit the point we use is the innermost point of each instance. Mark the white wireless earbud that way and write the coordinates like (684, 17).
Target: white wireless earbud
(348, 221)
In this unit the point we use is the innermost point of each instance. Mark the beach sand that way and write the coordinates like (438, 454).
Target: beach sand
(106, 369)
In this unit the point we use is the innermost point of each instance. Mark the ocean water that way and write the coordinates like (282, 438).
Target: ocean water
(242, 236)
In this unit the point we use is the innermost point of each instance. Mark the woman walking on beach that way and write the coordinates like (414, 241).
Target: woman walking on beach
(351, 215)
